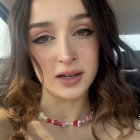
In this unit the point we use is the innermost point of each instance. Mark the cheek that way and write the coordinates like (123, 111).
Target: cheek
(90, 51)
(90, 58)
(45, 61)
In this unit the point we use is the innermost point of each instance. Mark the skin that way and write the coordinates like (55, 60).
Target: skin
(72, 44)
(41, 131)
(64, 51)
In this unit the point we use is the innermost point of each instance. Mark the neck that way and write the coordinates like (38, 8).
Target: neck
(63, 109)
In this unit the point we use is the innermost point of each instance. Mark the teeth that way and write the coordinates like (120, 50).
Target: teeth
(68, 77)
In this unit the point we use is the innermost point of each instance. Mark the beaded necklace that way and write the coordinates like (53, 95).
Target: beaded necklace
(78, 123)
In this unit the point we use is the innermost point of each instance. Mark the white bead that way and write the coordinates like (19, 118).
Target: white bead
(71, 123)
(41, 115)
(40, 118)
(79, 123)
(44, 118)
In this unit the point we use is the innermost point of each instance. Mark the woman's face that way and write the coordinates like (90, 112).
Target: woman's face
(63, 40)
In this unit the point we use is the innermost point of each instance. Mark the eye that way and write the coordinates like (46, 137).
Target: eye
(43, 39)
(83, 33)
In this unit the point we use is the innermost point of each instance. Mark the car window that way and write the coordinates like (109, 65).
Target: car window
(132, 40)
(4, 40)
(4, 33)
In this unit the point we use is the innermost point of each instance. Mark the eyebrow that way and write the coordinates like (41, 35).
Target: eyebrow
(47, 24)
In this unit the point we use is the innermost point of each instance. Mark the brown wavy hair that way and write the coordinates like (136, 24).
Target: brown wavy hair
(110, 97)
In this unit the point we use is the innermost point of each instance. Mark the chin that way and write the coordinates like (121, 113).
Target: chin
(71, 94)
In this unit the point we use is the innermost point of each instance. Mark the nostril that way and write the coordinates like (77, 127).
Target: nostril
(66, 59)
(74, 59)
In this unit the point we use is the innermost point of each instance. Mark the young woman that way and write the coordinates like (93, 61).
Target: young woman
(62, 79)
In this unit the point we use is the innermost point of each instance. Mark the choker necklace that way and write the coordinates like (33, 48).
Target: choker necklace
(88, 118)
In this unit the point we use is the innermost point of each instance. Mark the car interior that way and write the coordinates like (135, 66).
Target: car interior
(128, 18)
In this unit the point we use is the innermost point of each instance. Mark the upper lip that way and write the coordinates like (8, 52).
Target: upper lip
(72, 72)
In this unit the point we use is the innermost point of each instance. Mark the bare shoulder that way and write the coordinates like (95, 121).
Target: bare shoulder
(6, 129)
(114, 133)
(136, 134)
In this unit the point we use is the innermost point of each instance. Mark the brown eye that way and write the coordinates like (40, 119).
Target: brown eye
(83, 32)
(43, 39)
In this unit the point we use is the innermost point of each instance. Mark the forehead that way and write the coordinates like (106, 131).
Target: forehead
(55, 9)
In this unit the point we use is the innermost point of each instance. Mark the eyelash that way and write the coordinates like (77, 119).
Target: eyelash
(46, 38)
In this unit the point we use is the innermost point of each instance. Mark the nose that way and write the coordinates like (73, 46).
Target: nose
(67, 53)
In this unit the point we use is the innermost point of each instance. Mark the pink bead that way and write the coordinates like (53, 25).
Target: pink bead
(87, 118)
(63, 124)
(60, 124)
(83, 122)
(90, 117)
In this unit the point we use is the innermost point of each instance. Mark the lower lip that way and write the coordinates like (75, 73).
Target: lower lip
(70, 82)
